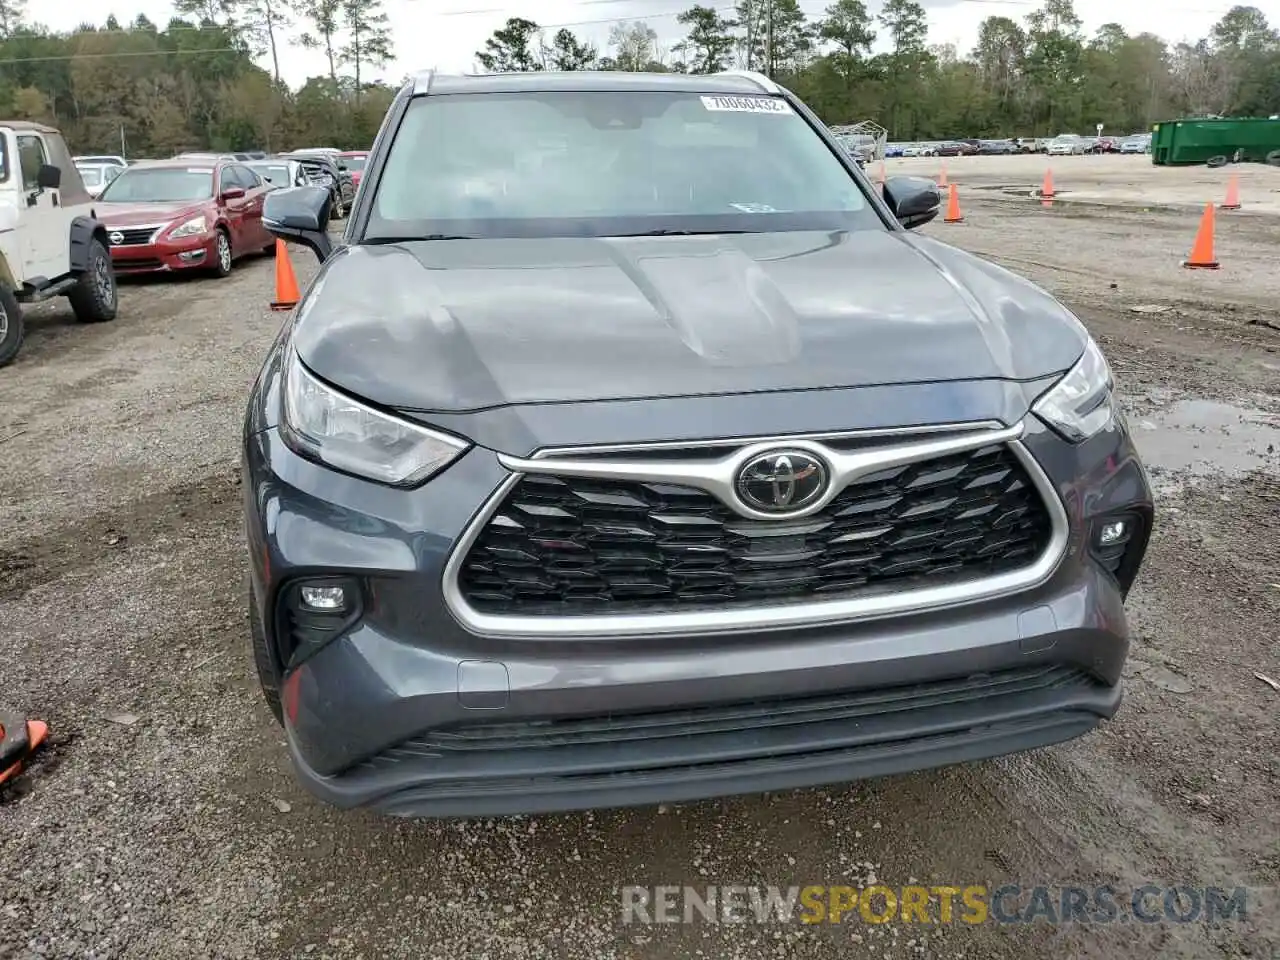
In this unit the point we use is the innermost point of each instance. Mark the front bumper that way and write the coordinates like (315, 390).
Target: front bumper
(409, 713)
(164, 256)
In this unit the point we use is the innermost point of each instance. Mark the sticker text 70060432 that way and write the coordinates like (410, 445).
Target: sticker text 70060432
(747, 104)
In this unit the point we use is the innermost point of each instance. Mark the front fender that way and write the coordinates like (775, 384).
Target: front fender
(83, 231)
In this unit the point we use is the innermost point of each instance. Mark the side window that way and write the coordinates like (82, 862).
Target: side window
(248, 178)
(31, 157)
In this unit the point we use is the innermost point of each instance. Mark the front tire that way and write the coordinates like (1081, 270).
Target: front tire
(11, 328)
(221, 253)
(94, 298)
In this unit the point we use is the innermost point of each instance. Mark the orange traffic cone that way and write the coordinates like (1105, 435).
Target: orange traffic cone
(287, 295)
(1233, 194)
(1046, 188)
(942, 177)
(1202, 250)
(953, 206)
(18, 740)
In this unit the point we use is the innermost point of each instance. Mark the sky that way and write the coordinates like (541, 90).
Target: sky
(444, 34)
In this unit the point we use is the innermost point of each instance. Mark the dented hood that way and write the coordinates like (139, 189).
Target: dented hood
(462, 325)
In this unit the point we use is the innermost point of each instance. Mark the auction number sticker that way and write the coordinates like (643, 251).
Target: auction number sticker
(747, 104)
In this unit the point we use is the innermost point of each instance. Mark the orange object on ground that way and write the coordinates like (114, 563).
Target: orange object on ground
(953, 206)
(18, 740)
(882, 173)
(942, 177)
(1046, 188)
(1233, 194)
(1202, 257)
(287, 295)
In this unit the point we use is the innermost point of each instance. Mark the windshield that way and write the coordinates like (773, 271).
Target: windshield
(160, 185)
(92, 176)
(277, 174)
(608, 164)
(354, 163)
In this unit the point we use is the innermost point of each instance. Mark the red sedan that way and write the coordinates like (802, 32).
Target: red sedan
(170, 215)
(354, 161)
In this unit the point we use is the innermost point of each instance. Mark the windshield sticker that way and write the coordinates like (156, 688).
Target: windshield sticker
(754, 207)
(747, 104)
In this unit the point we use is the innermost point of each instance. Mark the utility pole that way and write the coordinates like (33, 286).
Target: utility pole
(751, 33)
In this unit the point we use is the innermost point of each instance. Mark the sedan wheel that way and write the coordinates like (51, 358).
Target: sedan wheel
(222, 254)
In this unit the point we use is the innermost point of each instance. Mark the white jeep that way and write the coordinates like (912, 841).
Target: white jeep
(50, 242)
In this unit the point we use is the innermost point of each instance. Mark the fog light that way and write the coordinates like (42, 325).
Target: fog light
(1112, 532)
(327, 599)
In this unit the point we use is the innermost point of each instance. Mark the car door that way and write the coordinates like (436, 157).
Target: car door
(255, 196)
(232, 208)
(44, 230)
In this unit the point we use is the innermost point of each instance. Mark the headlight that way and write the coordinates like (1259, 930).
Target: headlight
(324, 425)
(1079, 405)
(190, 228)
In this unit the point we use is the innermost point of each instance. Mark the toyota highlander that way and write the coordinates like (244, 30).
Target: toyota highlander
(631, 446)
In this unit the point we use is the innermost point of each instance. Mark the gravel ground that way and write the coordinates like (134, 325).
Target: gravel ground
(163, 820)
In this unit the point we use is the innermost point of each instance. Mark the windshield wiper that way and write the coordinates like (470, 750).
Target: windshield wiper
(680, 233)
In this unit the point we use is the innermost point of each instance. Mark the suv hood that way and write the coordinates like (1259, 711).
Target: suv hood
(124, 214)
(460, 325)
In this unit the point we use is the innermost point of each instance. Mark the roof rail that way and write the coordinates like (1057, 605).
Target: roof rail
(765, 84)
(422, 81)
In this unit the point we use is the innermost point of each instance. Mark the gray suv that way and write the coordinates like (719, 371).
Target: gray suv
(631, 447)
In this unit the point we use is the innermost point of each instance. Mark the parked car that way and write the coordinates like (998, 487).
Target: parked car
(353, 161)
(951, 148)
(996, 147)
(96, 176)
(1141, 144)
(280, 172)
(1067, 146)
(103, 158)
(51, 244)
(895, 150)
(322, 168)
(548, 508)
(175, 215)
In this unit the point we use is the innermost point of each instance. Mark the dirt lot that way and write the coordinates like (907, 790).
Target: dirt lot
(164, 821)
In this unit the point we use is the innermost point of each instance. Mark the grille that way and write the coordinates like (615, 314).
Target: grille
(134, 236)
(137, 263)
(566, 546)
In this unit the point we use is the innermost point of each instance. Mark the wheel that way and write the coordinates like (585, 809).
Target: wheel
(221, 254)
(1273, 158)
(1215, 162)
(94, 297)
(262, 660)
(10, 325)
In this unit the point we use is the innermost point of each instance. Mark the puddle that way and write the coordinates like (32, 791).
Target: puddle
(1202, 438)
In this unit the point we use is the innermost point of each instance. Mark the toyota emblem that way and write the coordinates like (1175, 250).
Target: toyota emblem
(782, 481)
(116, 237)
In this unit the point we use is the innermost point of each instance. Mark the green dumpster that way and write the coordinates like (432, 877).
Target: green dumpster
(1195, 141)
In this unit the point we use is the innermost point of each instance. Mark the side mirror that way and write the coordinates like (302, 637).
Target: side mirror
(300, 215)
(233, 193)
(913, 200)
(48, 177)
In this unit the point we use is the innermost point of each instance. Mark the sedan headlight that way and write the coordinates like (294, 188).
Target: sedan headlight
(190, 228)
(324, 425)
(1080, 405)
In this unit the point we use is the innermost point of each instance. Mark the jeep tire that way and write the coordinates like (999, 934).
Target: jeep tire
(10, 325)
(94, 297)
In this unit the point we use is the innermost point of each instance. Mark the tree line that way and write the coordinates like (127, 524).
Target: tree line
(1036, 77)
(195, 83)
(209, 78)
